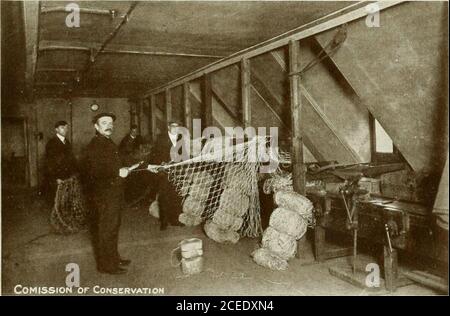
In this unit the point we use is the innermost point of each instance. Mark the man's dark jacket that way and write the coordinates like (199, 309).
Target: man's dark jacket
(105, 189)
(169, 201)
(60, 161)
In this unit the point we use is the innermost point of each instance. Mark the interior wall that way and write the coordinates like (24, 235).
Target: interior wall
(42, 114)
(22, 109)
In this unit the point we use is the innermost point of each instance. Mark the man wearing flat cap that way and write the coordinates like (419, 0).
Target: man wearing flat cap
(60, 163)
(105, 174)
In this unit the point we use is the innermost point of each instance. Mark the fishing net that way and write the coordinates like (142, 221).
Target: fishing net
(268, 259)
(279, 243)
(70, 213)
(289, 222)
(225, 181)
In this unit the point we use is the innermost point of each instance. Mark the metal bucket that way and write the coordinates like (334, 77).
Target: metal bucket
(191, 255)
(191, 248)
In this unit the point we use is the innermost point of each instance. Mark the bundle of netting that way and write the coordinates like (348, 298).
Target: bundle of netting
(194, 202)
(220, 235)
(268, 259)
(295, 202)
(70, 213)
(288, 223)
(222, 180)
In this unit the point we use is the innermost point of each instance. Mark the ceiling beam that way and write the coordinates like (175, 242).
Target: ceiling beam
(110, 13)
(119, 49)
(110, 37)
(31, 27)
(330, 21)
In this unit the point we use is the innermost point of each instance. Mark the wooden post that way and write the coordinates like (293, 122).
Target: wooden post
(139, 105)
(147, 105)
(245, 92)
(298, 169)
(168, 99)
(207, 116)
(187, 107)
(31, 13)
(390, 268)
(153, 116)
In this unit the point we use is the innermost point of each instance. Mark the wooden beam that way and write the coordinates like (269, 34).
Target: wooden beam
(110, 37)
(225, 107)
(330, 125)
(187, 107)
(109, 13)
(149, 117)
(168, 99)
(153, 116)
(353, 12)
(245, 92)
(298, 167)
(268, 99)
(334, 130)
(207, 119)
(119, 49)
(31, 27)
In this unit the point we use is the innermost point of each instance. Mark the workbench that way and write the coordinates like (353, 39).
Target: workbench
(408, 223)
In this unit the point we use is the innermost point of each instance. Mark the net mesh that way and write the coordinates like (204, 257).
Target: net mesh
(223, 182)
(70, 213)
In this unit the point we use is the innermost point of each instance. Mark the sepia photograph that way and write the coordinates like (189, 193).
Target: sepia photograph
(234, 151)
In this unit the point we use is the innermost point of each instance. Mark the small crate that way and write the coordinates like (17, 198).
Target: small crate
(371, 185)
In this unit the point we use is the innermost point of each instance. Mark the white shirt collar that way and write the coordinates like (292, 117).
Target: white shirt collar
(62, 138)
(173, 138)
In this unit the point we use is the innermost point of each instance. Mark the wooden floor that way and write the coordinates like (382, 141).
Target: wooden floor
(34, 257)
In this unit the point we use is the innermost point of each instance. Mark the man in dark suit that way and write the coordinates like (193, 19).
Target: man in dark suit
(60, 161)
(136, 185)
(130, 145)
(170, 203)
(105, 174)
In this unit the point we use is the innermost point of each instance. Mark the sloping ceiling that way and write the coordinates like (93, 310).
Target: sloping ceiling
(399, 71)
(161, 41)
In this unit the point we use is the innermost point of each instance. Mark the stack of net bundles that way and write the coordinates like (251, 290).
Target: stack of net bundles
(287, 224)
(295, 202)
(233, 203)
(195, 200)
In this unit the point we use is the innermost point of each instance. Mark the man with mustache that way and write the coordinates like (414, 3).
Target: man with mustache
(105, 177)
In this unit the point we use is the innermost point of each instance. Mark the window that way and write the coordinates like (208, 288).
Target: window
(383, 148)
(383, 143)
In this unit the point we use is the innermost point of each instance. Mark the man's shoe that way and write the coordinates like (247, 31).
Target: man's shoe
(124, 262)
(113, 271)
